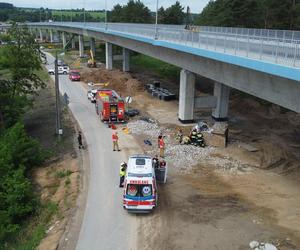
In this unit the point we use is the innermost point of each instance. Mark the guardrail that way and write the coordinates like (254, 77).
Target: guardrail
(276, 46)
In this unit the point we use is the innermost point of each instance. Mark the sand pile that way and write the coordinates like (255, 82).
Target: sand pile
(120, 81)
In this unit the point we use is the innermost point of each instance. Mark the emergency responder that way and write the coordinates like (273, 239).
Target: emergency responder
(79, 138)
(115, 140)
(123, 168)
(158, 138)
(155, 161)
(193, 137)
(179, 136)
(161, 144)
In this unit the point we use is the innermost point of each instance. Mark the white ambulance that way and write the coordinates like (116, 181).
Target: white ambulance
(140, 189)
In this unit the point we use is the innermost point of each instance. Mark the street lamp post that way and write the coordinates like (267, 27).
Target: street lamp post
(84, 15)
(156, 20)
(57, 98)
(105, 14)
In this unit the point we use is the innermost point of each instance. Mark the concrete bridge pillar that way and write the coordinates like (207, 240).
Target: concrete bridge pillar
(186, 96)
(36, 32)
(221, 92)
(109, 56)
(93, 46)
(81, 46)
(73, 44)
(126, 60)
(41, 34)
(51, 36)
(64, 39)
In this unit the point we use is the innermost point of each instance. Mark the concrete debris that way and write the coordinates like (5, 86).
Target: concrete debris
(186, 156)
(261, 246)
(143, 127)
(253, 244)
(183, 157)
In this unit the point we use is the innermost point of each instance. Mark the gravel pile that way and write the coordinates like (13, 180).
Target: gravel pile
(143, 127)
(183, 157)
(186, 156)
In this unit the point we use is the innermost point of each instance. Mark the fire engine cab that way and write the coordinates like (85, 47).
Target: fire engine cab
(140, 188)
(109, 106)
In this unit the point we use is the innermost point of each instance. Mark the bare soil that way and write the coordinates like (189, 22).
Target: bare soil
(212, 207)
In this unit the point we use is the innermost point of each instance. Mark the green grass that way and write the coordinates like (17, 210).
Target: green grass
(142, 62)
(33, 232)
(63, 173)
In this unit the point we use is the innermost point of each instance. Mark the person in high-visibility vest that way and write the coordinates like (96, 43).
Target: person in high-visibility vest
(161, 147)
(115, 140)
(122, 173)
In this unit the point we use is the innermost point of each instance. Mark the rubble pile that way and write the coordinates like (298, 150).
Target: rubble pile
(150, 129)
(186, 156)
(183, 157)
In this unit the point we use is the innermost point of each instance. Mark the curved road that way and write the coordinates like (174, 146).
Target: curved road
(105, 224)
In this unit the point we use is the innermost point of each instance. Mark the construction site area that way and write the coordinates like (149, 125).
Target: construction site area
(239, 186)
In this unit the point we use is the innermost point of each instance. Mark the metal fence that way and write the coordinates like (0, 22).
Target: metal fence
(276, 46)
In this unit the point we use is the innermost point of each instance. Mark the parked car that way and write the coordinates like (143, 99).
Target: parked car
(74, 75)
(61, 70)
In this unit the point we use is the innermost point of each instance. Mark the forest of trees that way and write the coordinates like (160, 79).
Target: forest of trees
(10, 13)
(19, 153)
(269, 14)
(136, 12)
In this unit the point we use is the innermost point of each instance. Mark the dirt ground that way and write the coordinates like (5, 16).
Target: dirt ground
(213, 207)
(58, 181)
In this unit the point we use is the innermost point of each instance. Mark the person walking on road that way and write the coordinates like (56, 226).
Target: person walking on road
(123, 168)
(115, 140)
(161, 144)
(79, 138)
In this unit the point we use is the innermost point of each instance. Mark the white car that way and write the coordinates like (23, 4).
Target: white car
(61, 70)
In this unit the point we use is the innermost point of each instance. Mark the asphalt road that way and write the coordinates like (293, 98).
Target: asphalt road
(105, 224)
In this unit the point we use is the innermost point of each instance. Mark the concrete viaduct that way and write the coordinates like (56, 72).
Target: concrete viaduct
(258, 62)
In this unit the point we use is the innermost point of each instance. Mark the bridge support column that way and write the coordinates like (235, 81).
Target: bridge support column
(41, 35)
(51, 36)
(93, 46)
(64, 39)
(73, 43)
(186, 96)
(109, 56)
(126, 60)
(81, 46)
(221, 92)
(36, 33)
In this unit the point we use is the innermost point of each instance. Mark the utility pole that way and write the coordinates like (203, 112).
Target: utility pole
(61, 15)
(156, 20)
(57, 97)
(84, 15)
(105, 14)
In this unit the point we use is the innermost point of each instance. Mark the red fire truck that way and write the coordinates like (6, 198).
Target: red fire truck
(110, 106)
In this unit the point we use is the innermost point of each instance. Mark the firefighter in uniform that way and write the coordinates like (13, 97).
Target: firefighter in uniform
(122, 173)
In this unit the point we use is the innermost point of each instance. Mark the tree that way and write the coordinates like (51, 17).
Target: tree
(18, 154)
(174, 14)
(272, 14)
(21, 59)
(132, 12)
